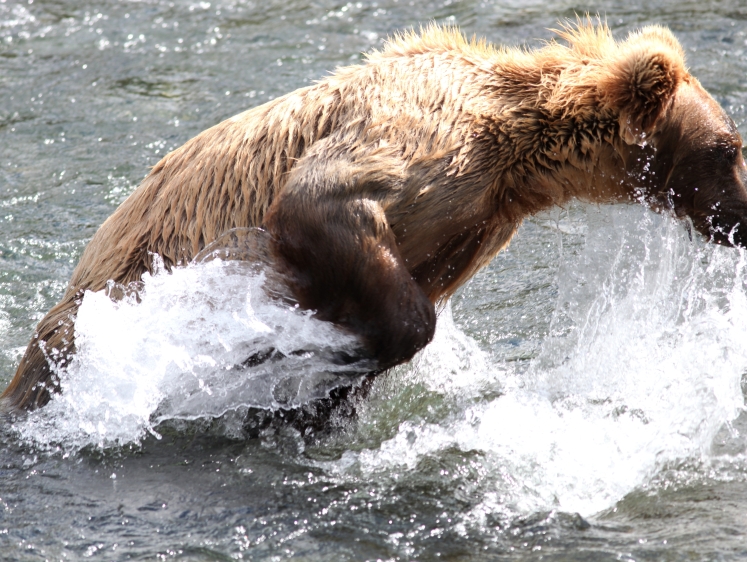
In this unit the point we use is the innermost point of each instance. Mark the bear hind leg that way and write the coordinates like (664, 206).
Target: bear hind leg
(50, 349)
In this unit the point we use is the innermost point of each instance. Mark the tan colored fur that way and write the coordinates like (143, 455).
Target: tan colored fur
(467, 138)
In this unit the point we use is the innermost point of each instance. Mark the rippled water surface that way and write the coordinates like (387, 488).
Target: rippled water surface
(582, 400)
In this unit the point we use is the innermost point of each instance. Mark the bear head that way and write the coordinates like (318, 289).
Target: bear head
(682, 152)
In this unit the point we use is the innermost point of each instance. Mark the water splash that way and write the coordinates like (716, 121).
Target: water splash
(643, 367)
(203, 340)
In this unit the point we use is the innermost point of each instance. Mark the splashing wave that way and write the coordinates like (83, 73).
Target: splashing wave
(643, 366)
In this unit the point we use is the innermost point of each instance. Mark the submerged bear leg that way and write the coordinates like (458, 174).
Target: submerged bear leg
(339, 257)
(50, 349)
(316, 419)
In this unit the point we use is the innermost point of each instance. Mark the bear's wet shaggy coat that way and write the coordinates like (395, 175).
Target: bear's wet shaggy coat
(387, 185)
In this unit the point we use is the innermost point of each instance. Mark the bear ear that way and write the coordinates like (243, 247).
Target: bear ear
(640, 82)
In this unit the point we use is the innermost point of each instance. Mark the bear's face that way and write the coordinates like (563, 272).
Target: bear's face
(701, 171)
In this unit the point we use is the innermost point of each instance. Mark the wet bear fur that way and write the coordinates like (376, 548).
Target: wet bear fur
(387, 185)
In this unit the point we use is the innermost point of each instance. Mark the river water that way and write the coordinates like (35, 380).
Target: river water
(582, 400)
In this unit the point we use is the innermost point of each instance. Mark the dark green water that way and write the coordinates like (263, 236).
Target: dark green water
(597, 416)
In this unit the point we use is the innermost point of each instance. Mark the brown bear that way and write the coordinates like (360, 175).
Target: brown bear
(387, 185)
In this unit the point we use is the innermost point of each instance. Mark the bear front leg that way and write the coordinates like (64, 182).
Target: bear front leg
(339, 257)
